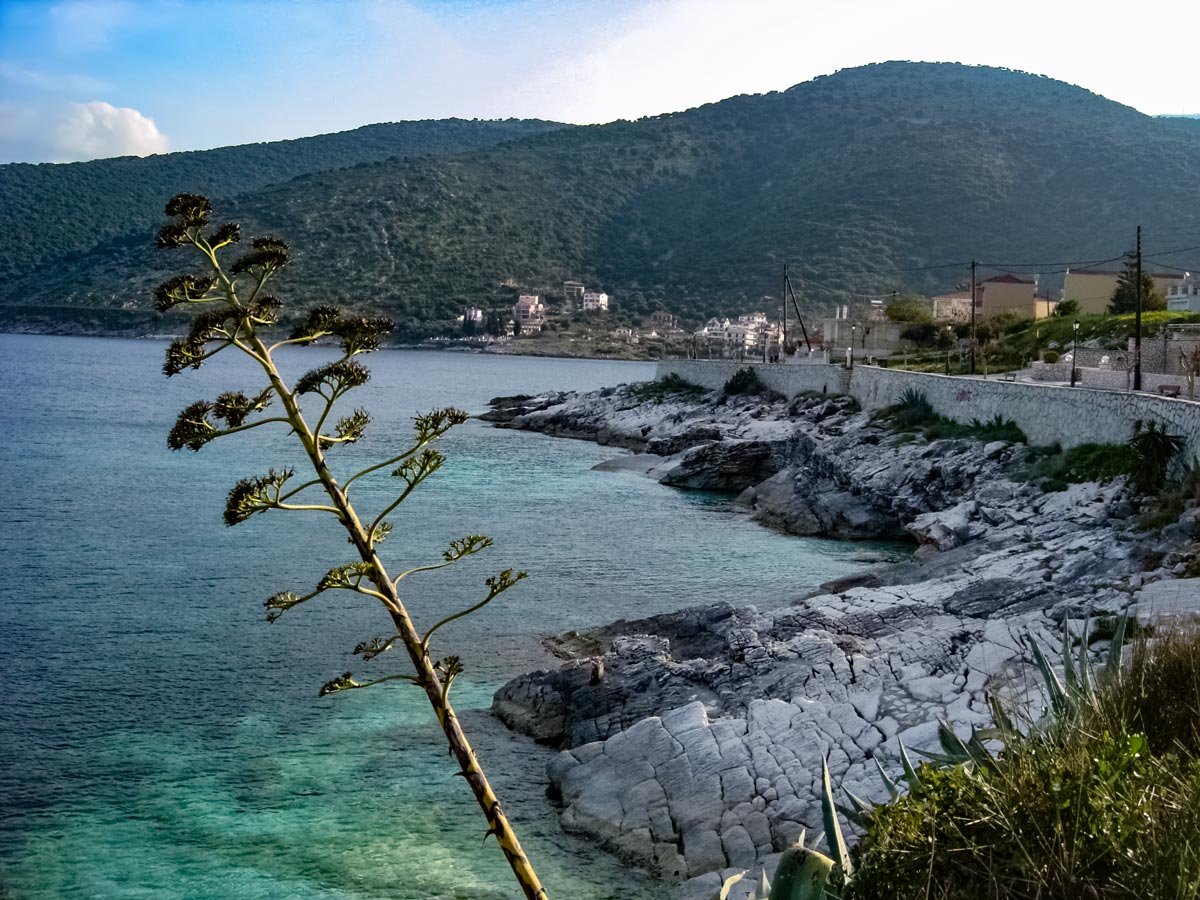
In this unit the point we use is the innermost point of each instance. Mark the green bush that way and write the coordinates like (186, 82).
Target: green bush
(1050, 356)
(744, 381)
(1153, 452)
(1103, 803)
(914, 414)
(1054, 468)
(672, 386)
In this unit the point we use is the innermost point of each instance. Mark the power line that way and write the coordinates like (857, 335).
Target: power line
(1172, 252)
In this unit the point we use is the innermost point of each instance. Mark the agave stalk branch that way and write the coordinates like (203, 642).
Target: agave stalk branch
(426, 675)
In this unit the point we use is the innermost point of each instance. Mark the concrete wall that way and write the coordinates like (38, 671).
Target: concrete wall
(1048, 414)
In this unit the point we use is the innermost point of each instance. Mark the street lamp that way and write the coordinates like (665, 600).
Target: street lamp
(853, 332)
(1075, 355)
(949, 345)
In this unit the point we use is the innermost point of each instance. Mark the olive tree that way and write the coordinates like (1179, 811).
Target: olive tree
(236, 312)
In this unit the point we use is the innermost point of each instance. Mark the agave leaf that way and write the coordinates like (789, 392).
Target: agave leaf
(982, 755)
(861, 807)
(833, 828)
(1059, 701)
(1086, 682)
(729, 883)
(956, 750)
(1112, 665)
(891, 786)
(1069, 675)
(1004, 723)
(802, 875)
(910, 774)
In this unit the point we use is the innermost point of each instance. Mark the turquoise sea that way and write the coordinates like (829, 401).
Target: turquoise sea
(159, 739)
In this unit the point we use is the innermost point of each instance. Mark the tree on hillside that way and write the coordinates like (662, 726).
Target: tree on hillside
(1067, 309)
(1124, 298)
(911, 309)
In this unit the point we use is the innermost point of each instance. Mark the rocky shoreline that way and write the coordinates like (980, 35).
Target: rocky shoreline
(692, 742)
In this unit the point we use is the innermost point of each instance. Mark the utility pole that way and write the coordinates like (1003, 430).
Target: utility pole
(1137, 320)
(973, 304)
(783, 300)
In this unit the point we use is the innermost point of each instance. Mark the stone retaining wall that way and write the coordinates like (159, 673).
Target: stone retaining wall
(1048, 414)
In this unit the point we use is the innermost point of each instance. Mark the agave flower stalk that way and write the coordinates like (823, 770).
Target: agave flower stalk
(234, 309)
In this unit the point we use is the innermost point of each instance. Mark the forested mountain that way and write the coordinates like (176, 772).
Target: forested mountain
(42, 205)
(859, 180)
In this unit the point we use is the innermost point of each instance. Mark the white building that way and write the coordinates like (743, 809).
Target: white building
(952, 307)
(593, 301)
(1183, 295)
(473, 314)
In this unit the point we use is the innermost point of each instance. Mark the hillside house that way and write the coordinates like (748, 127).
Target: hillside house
(528, 310)
(1093, 289)
(660, 318)
(952, 307)
(594, 301)
(1008, 293)
(573, 294)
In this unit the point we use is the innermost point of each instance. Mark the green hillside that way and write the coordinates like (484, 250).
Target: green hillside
(858, 180)
(40, 204)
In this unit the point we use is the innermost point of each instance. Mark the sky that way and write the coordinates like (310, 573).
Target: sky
(82, 79)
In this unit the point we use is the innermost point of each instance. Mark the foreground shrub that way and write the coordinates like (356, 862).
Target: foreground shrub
(913, 413)
(1054, 468)
(1154, 450)
(1104, 803)
(744, 381)
(671, 386)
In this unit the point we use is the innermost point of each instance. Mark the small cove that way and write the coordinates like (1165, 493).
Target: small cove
(162, 740)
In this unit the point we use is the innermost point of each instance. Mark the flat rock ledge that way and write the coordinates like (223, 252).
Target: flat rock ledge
(692, 742)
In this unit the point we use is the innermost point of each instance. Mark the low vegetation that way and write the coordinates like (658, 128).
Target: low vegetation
(1103, 803)
(671, 387)
(1054, 468)
(913, 414)
(1100, 799)
(744, 381)
(1147, 459)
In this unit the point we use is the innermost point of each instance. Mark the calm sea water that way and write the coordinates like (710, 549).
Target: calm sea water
(159, 739)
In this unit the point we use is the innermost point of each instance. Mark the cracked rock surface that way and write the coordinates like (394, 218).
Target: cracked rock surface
(692, 742)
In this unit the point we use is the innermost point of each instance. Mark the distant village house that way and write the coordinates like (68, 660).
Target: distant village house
(1010, 293)
(594, 301)
(573, 294)
(1093, 289)
(952, 307)
(529, 310)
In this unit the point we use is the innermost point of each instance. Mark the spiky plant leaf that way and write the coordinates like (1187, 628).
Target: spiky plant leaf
(1112, 665)
(892, 788)
(1060, 702)
(910, 773)
(802, 874)
(833, 828)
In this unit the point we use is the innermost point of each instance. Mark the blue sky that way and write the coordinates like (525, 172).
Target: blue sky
(86, 78)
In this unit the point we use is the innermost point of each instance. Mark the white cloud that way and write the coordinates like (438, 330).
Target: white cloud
(99, 129)
(86, 25)
(50, 82)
